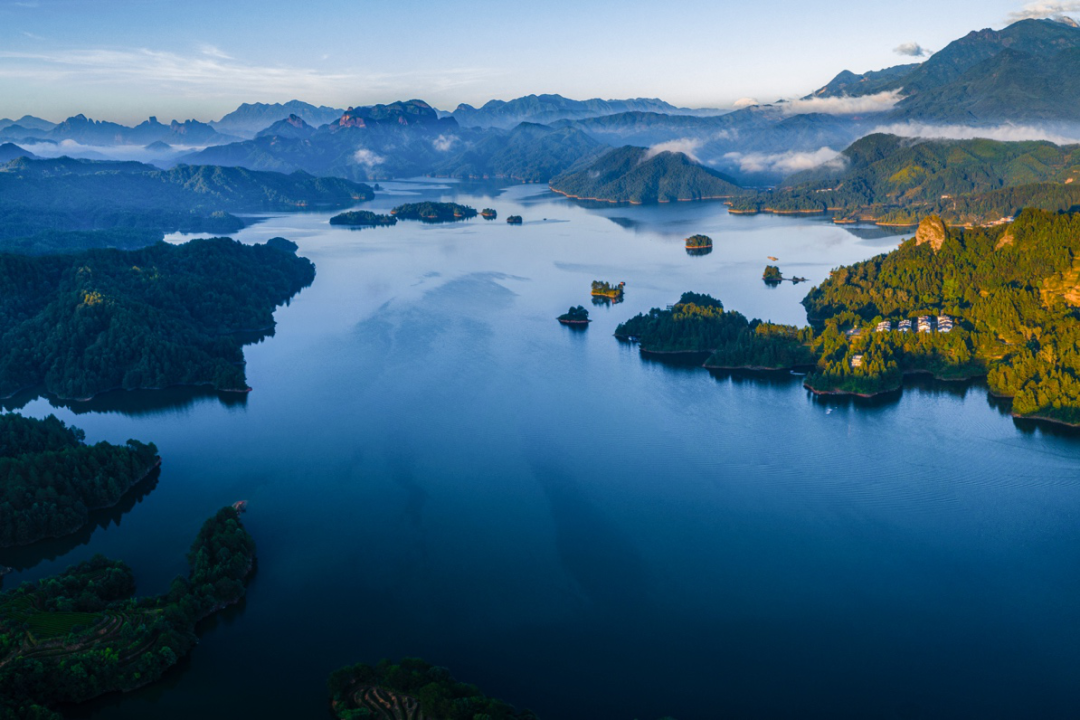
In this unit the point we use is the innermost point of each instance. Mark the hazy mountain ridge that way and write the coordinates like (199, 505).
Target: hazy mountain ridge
(546, 109)
(250, 118)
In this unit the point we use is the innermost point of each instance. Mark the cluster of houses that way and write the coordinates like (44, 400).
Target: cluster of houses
(923, 324)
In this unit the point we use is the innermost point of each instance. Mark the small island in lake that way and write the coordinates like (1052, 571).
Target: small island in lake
(605, 290)
(363, 218)
(514, 220)
(698, 242)
(81, 634)
(488, 214)
(575, 316)
(772, 275)
(50, 479)
(433, 212)
(411, 690)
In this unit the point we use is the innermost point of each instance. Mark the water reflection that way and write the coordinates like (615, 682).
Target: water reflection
(27, 556)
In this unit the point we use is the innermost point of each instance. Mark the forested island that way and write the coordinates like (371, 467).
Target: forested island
(488, 214)
(891, 180)
(81, 634)
(363, 218)
(433, 212)
(414, 690)
(997, 302)
(638, 175)
(69, 205)
(605, 290)
(772, 275)
(515, 220)
(166, 315)
(575, 316)
(50, 479)
(698, 242)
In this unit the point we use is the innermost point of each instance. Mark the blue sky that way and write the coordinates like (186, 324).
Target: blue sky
(124, 60)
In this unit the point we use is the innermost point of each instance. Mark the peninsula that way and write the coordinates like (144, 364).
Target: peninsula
(81, 634)
(50, 479)
(78, 325)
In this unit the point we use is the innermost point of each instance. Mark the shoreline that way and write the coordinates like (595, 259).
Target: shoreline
(637, 202)
(136, 481)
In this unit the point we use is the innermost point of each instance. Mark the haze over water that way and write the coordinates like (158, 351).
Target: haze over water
(435, 467)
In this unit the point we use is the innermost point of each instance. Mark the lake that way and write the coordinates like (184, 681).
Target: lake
(435, 467)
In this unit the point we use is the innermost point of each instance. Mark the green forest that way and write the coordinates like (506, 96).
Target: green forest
(50, 479)
(413, 689)
(81, 634)
(899, 181)
(1008, 296)
(363, 218)
(77, 325)
(433, 212)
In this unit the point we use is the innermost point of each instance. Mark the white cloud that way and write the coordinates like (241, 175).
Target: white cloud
(1007, 133)
(1043, 9)
(845, 105)
(366, 157)
(687, 146)
(745, 103)
(210, 72)
(445, 143)
(911, 49)
(787, 162)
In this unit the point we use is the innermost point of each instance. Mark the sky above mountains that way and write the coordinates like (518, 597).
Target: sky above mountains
(123, 60)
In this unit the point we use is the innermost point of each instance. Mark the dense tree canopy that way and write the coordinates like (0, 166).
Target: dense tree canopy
(50, 478)
(164, 315)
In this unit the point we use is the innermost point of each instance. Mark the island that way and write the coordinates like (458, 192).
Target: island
(433, 212)
(515, 220)
(639, 175)
(488, 214)
(607, 291)
(772, 275)
(1000, 303)
(411, 689)
(363, 218)
(698, 242)
(575, 316)
(50, 479)
(78, 325)
(81, 634)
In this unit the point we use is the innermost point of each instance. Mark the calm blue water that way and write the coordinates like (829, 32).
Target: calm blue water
(435, 467)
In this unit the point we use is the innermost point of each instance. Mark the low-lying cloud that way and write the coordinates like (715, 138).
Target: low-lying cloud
(1040, 9)
(687, 146)
(367, 158)
(787, 162)
(138, 153)
(445, 143)
(911, 49)
(1005, 133)
(879, 102)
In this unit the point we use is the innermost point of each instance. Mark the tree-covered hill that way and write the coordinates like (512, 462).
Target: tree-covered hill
(77, 325)
(50, 479)
(638, 175)
(901, 180)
